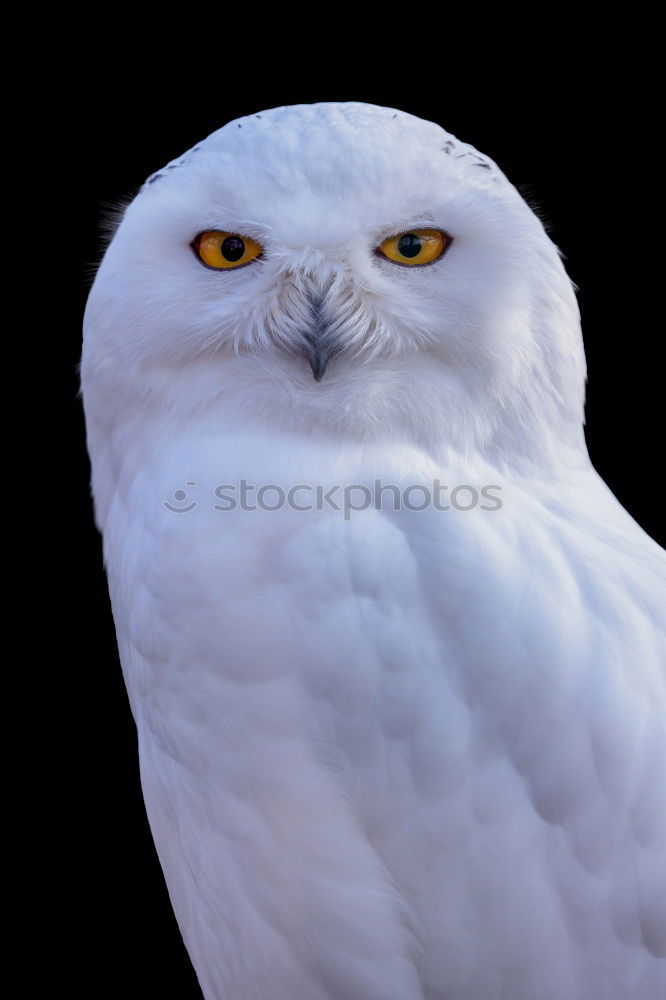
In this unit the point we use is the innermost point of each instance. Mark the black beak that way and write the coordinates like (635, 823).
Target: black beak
(318, 360)
(318, 346)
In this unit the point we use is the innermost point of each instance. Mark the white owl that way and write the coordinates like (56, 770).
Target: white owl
(391, 751)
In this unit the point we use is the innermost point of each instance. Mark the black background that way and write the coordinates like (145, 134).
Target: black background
(570, 127)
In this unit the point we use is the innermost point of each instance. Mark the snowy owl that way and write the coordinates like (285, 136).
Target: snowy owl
(394, 651)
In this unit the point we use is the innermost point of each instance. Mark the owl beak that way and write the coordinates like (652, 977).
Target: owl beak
(317, 351)
(318, 360)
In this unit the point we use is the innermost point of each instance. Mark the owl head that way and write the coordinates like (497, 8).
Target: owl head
(340, 266)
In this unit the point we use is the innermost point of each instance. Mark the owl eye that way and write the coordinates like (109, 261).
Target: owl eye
(417, 247)
(221, 250)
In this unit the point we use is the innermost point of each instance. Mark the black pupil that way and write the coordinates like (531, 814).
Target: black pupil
(233, 248)
(409, 245)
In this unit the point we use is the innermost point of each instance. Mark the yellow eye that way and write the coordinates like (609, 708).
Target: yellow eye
(220, 250)
(419, 246)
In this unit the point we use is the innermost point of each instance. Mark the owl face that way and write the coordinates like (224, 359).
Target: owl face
(329, 244)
